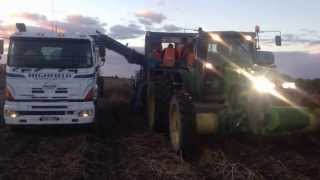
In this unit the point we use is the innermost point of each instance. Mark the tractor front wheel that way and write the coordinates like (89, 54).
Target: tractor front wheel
(151, 108)
(182, 126)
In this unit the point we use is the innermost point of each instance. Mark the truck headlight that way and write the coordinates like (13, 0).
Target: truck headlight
(263, 85)
(289, 85)
(85, 113)
(10, 113)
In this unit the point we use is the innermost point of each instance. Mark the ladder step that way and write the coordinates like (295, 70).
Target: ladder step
(208, 107)
(213, 98)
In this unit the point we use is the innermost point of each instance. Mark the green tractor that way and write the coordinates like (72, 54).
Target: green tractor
(232, 87)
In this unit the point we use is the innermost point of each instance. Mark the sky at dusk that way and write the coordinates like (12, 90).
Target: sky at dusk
(127, 21)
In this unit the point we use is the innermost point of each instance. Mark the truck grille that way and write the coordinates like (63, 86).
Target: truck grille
(43, 113)
(37, 91)
(49, 107)
(57, 91)
(61, 90)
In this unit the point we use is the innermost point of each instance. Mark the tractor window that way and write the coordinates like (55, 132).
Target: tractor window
(165, 45)
(237, 50)
(202, 49)
(212, 48)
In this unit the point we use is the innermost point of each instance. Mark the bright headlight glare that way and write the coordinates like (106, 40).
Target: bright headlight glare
(216, 37)
(289, 85)
(208, 65)
(247, 37)
(85, 113)
(11, 113)
(263, 85)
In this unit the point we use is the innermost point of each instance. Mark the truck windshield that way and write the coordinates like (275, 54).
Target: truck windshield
(50, 53)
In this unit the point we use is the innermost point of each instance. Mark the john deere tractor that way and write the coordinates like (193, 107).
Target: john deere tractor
(232, 87)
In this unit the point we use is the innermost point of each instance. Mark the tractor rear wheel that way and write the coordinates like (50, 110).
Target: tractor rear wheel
(163, 94)
(154, 109)
(235, 99)
(182, 126)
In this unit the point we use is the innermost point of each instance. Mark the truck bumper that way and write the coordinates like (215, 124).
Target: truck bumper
(48, 113)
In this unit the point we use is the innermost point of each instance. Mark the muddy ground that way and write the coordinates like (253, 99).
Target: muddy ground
(129, 151)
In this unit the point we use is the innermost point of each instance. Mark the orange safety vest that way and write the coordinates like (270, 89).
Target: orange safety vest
(188, 56)
(169, 57)
(179, 51)
(191, 58)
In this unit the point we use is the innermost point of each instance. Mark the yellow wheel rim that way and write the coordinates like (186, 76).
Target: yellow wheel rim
(175, 127)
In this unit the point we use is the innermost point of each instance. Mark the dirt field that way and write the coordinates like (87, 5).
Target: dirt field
(131, 152)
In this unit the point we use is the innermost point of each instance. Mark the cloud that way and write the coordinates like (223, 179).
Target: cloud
(86, 20)
(171, 28)
(160, 2)
(145, 22)
(40, 23)
(304, 36)
(78, 23)
(311, 43)
(149, 18)
(6, 30)
(126, 32)
(30, 16)
(296, 38)
(72, 23)
(310, 32)
(133, 30)
(82, 24)
(304, 41)
(298, 64)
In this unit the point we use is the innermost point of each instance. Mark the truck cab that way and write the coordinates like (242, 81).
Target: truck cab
(51, 78)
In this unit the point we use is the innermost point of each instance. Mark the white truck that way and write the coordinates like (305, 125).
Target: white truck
(51, 78)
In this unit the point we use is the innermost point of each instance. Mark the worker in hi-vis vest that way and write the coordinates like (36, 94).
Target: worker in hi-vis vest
(188, 55)
(181, 46)
(169, 56)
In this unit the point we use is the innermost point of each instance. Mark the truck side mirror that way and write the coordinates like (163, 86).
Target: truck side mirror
(265, 58)
(278, 40)
(1, 46)
(102, 53)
